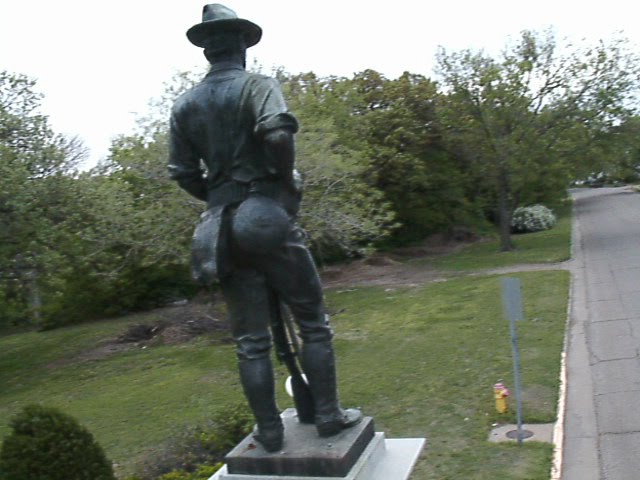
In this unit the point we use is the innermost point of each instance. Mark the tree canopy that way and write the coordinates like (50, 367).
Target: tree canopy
(36, 194)
(529, 119)
(384, 162)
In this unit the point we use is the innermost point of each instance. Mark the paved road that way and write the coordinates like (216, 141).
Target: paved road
(602, 423)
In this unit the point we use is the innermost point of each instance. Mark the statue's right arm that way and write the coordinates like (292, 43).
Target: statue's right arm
(279, 146)
(184, 164)
(275, 127)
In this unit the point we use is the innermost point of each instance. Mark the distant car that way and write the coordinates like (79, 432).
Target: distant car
(596, 183)
(596, 180)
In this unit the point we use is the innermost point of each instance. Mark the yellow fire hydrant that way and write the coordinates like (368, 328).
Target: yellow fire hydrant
(500, 393)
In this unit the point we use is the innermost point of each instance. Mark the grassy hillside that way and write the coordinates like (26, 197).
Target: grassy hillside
(421, 360)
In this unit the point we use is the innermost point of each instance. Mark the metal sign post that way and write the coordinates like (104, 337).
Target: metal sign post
(513, 311)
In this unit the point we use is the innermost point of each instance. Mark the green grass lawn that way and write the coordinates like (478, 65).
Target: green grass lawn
(422, 361)
(130, 401)
(432, 368)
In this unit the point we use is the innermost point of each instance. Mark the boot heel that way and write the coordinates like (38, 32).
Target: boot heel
(271, 439)
(349, 418)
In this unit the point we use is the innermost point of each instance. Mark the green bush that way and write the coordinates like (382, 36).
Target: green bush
(203, 472)
(46, 444)
(83, 295)
(532, 219)
(199, 447)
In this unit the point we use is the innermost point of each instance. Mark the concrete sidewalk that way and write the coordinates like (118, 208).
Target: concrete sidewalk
(602, 421)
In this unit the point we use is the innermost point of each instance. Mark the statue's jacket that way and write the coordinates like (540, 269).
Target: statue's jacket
(216, 151)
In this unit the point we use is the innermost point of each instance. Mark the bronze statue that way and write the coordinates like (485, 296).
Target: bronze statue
(232, 145)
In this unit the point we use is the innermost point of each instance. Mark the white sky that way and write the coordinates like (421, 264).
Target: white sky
(98, 64)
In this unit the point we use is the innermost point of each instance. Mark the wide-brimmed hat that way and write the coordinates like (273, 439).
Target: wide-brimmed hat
(216, 18)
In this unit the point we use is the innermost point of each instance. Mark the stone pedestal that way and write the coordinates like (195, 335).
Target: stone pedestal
(357, 453)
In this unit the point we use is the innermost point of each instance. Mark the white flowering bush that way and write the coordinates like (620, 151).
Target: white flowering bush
(532, 219)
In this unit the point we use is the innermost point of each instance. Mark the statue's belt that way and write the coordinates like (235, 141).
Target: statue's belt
(235, 192)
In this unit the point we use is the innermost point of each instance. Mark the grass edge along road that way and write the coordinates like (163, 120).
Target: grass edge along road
(420, 360)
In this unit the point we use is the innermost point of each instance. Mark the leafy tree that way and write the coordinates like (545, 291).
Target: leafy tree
(341, 211)
(123, 244)
(36, 168)
(524, 118)
(74, 246)
(407, 159)
(620, 145)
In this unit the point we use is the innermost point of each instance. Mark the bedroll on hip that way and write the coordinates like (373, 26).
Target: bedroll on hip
(260, 225)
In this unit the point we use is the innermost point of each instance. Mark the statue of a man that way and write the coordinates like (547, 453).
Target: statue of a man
(232, 145)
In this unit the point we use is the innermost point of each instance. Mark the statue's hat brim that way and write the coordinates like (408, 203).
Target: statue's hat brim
(217, 18)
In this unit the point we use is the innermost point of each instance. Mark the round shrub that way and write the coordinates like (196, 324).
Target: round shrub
(46, 444)
(532, 219)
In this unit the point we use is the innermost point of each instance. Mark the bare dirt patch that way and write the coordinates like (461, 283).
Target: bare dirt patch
(177, 324)
(385, 272)
(395, 268)
(171, 325)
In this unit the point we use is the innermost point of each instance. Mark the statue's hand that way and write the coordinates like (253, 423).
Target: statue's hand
(297, 184)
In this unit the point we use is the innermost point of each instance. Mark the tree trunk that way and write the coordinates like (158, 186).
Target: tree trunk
(504, 219)
(35, 300)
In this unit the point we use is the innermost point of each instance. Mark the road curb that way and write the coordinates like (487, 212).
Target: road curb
(576, 455)
(558, 429)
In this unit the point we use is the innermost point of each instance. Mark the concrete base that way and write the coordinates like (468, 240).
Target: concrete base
(383, 459)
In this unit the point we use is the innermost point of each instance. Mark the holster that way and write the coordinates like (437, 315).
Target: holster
(204, 247)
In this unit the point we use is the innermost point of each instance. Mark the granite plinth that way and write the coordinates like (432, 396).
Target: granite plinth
(304, 453)
(383, 459)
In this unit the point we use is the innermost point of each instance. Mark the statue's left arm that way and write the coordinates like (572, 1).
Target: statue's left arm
(184, 163)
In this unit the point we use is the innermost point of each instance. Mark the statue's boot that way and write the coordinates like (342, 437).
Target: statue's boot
(318, 362)
(257, 380)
